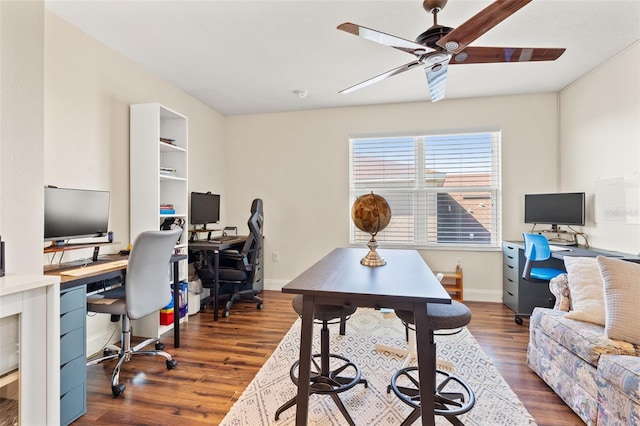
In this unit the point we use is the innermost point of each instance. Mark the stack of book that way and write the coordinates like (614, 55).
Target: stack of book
(167, 171)
(167, 140)
(167, 209)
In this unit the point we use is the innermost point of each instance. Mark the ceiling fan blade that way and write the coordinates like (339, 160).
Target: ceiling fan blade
(385, 39)
(395, 71)
(458, 39)
(485, 55)
(437, 79)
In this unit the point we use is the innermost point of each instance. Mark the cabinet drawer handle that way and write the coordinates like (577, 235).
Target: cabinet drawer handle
(510, 257)
(509, 279)
(509, 266)
(510, 294)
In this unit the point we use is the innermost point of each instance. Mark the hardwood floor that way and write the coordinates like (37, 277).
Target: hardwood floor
(217, 360)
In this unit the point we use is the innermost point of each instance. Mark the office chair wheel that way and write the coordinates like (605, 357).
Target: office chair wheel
(171, 364)
(117, 390)
(225, 313)
(518, 320)
(159, 346)
(107, 352)
(260, 306)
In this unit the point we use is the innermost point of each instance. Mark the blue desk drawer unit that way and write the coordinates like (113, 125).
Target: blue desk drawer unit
(73, 358)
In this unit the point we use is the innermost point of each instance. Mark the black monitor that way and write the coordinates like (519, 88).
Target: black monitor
(75, 213)
(555, 209)
(205, 208)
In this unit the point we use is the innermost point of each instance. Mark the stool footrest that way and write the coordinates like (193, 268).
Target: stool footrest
(452, 396)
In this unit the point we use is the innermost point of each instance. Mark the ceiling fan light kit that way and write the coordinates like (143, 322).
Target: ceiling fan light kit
(439, 46)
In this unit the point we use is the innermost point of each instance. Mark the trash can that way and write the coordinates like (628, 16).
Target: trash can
(195, 289)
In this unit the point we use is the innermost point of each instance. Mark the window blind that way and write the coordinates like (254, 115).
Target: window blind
(443, 190)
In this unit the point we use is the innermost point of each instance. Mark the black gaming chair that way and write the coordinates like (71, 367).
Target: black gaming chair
(240, 273)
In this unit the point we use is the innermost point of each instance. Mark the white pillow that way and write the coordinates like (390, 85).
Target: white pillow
(587, 290)
(622, 298)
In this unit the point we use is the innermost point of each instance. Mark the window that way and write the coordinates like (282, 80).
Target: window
(443, 190)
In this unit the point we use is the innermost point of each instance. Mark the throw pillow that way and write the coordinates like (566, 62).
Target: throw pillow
(586, 288)
(622, 298)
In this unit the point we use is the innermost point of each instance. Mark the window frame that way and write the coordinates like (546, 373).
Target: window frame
(423, 216)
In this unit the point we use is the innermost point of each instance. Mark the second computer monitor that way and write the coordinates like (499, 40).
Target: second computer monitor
(205, 209)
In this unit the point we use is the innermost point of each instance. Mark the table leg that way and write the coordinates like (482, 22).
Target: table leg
(304, 369)
(176, 305)
(426, 362)
(216, 269)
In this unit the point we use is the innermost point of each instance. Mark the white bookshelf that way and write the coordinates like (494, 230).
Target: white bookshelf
(158, 175)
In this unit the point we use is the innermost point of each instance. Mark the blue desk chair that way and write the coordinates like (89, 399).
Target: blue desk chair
(536, 249)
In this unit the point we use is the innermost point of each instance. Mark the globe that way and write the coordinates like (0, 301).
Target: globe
(371, 213)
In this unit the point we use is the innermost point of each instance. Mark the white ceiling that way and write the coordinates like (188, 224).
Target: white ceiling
(246, 57)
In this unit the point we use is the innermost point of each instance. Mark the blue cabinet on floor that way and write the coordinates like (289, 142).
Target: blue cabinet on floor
(73, 357)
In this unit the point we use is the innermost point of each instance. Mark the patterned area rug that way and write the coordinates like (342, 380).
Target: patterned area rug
(496, 404)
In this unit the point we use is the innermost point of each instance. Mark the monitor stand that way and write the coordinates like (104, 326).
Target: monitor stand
(562, 238)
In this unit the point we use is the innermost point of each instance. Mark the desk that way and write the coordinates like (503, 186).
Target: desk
(405, 282)
(215, 247)
(68, 282)
(521, 295)
(73, 330)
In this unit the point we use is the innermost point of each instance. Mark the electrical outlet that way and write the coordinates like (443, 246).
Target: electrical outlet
(275, 256)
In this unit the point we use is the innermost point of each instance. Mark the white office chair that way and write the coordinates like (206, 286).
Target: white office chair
(147, 290)
(410, 353)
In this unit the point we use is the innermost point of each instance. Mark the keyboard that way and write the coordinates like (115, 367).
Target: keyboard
(223, 239)
(91, 269)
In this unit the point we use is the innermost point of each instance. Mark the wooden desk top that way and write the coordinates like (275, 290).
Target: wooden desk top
(67, 281)
(406, 278)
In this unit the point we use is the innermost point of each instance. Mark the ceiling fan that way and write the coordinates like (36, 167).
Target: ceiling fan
(440, 46)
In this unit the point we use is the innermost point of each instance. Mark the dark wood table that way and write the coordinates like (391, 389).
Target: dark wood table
(405, 283)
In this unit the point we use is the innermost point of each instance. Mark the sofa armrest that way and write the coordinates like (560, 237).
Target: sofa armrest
(559, 287)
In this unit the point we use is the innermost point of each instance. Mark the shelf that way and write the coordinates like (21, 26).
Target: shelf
(167, 147)
(76, 246)
(173, 178)
(453, 283)
(11, 377)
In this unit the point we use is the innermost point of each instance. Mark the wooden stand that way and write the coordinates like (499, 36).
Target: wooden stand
(452, 282)
(64, 247)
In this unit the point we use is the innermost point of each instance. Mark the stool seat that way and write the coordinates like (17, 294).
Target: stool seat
(324, 312)
(441, 316)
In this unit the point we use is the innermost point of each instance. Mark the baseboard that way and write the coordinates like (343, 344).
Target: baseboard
(472, 295)
(95, 343)
(275, 285)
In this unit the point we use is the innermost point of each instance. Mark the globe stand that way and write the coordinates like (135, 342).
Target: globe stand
(372, 258)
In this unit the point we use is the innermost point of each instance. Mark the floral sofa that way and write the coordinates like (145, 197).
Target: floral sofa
(598, 376)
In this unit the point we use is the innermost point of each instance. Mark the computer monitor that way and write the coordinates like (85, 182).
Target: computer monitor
(205, 209)
(555, 209)
(75, 213)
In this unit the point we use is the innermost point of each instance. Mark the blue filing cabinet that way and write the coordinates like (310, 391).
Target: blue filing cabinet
(73, 358)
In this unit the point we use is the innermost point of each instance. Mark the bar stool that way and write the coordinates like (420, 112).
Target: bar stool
(452, 396)
(323, 380)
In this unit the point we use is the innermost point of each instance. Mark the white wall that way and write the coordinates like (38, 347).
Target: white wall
(600, 138)
(21, 134)
(298, 163)
(88, 90)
